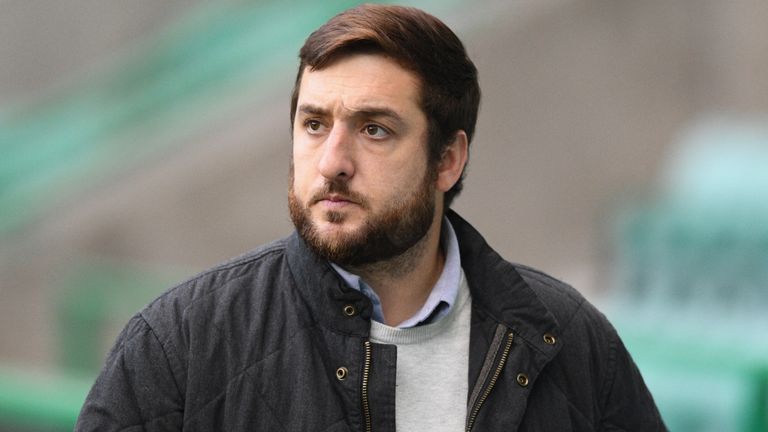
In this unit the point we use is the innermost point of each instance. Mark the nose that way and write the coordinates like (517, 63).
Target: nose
(337, 161)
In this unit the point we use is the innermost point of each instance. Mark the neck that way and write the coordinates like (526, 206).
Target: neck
(403, 283)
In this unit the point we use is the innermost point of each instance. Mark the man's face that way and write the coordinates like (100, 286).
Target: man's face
(360, 189)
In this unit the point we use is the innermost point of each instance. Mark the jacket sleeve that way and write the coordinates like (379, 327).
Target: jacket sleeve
(627, 402)
(136, 390)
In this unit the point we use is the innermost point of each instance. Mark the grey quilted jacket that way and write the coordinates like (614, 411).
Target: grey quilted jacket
(275, 341)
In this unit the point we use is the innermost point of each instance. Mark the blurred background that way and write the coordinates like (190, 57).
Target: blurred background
(622, 146)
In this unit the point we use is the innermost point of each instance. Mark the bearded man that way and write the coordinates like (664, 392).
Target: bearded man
(385, 310)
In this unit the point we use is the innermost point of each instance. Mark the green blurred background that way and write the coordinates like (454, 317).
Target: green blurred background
(623, 145)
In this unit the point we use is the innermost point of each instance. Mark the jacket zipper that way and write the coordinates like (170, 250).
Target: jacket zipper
(366, 374)
(491, 384)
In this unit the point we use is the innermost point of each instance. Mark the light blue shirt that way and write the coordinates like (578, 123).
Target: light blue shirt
(443, 294)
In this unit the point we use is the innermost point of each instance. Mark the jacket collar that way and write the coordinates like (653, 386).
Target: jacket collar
(496, 287)
(326, 294)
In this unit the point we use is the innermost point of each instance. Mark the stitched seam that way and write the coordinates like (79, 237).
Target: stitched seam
(566, 326)
(149, 420)
(120, 348)
(568, 401)
(122, 342)
(269, 408)
(245, 370)
(550, 282)
(247, 259)
(540, 275)
(266, 401)
(547, 280)
(213, 291)
(165, 354)
(613, 428)
(341, 420)
(566, 330)
(485, 370)
(229, 342)
(515, 330)
(278, 248)
(608, 385)
(193, 301)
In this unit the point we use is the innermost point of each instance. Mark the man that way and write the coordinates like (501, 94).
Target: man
(384, 310)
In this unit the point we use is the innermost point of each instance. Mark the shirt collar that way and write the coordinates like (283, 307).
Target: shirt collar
(443, 294)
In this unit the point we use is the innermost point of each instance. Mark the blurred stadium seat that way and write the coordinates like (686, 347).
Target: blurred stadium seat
(692, 286)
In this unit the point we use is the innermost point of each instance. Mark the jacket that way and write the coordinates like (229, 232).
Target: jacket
(275, 341)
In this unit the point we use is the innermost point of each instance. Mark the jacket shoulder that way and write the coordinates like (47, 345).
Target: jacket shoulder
(195, 338)
(232, 275)
(226, 302)
(562, 299)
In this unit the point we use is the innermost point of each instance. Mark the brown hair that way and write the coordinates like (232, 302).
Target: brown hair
(419, 42)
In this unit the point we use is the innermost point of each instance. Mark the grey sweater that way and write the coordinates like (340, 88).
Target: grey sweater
(432, 361)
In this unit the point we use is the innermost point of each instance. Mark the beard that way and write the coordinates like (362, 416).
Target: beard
(384, 235)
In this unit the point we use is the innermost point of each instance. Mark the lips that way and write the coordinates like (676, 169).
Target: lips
(337, 195)
(338, 198)
(335, 201)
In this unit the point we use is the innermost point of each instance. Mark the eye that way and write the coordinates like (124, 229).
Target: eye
(313, 126)
(376, 131)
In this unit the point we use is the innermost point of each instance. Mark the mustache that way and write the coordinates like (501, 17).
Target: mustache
(338, 189)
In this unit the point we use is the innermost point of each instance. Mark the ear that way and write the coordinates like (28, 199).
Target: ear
(452, 162)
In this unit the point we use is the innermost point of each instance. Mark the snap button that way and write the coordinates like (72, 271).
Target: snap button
(549, 339)
(341, 373)
(522, 380)
(350, 310)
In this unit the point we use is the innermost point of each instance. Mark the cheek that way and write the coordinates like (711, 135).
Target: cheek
(304, 155)
(300, 152)
(299, 174)
(399, 179)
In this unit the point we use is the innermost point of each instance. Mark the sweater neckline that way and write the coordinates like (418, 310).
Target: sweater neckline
(383, 333)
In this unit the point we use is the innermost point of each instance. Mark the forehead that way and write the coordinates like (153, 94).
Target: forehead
(360, 81)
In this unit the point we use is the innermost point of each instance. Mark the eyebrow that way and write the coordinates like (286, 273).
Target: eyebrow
(312, 109)
(364, 111)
